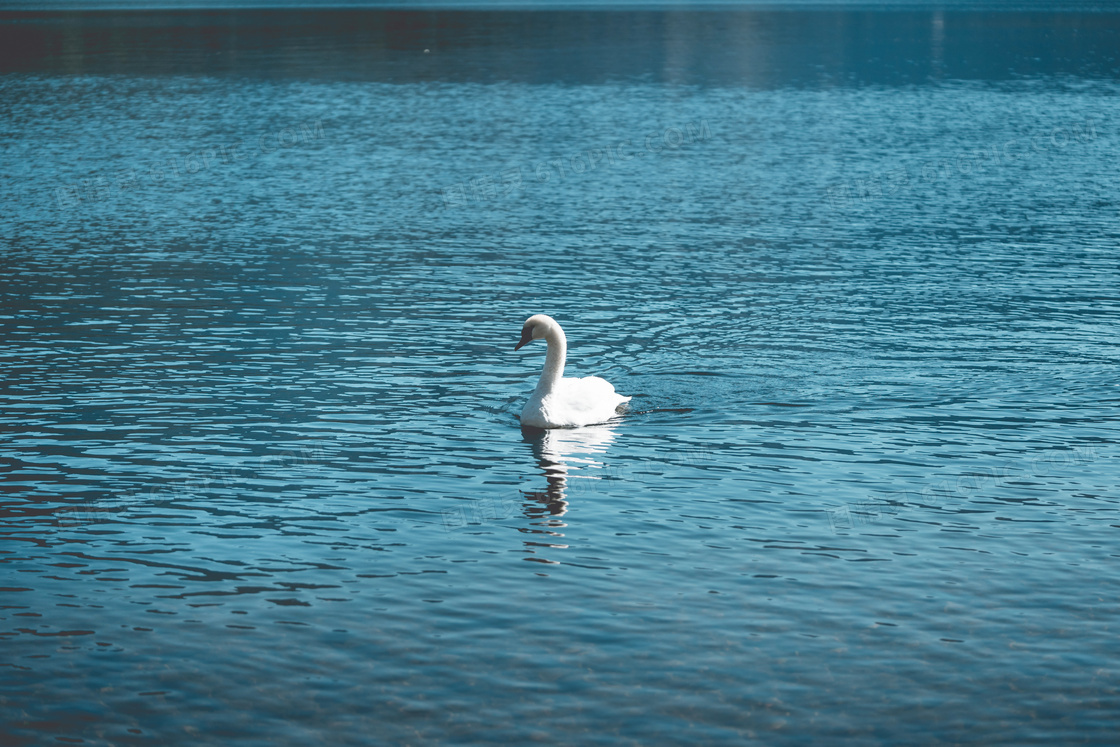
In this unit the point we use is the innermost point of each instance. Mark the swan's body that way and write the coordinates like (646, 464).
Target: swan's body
(558, 402)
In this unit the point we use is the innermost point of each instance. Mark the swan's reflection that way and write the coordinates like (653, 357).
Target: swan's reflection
(567, 457)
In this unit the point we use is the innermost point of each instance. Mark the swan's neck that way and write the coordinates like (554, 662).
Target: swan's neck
(554, 359)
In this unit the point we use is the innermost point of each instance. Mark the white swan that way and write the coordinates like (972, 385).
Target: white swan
(558, 402)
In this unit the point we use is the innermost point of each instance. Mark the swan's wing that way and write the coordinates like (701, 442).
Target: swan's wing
(589, 389)
(591, 398)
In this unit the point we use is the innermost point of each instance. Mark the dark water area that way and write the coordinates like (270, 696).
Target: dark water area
(261, 277)
(757, 48)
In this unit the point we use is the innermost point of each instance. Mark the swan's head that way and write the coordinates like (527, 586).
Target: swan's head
(535, 328)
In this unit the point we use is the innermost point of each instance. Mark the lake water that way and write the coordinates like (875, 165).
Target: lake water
(263, 272)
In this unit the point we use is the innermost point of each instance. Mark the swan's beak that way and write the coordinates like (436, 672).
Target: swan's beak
(526, 338)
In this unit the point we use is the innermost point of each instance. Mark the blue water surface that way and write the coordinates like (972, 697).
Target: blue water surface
(263, 273)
